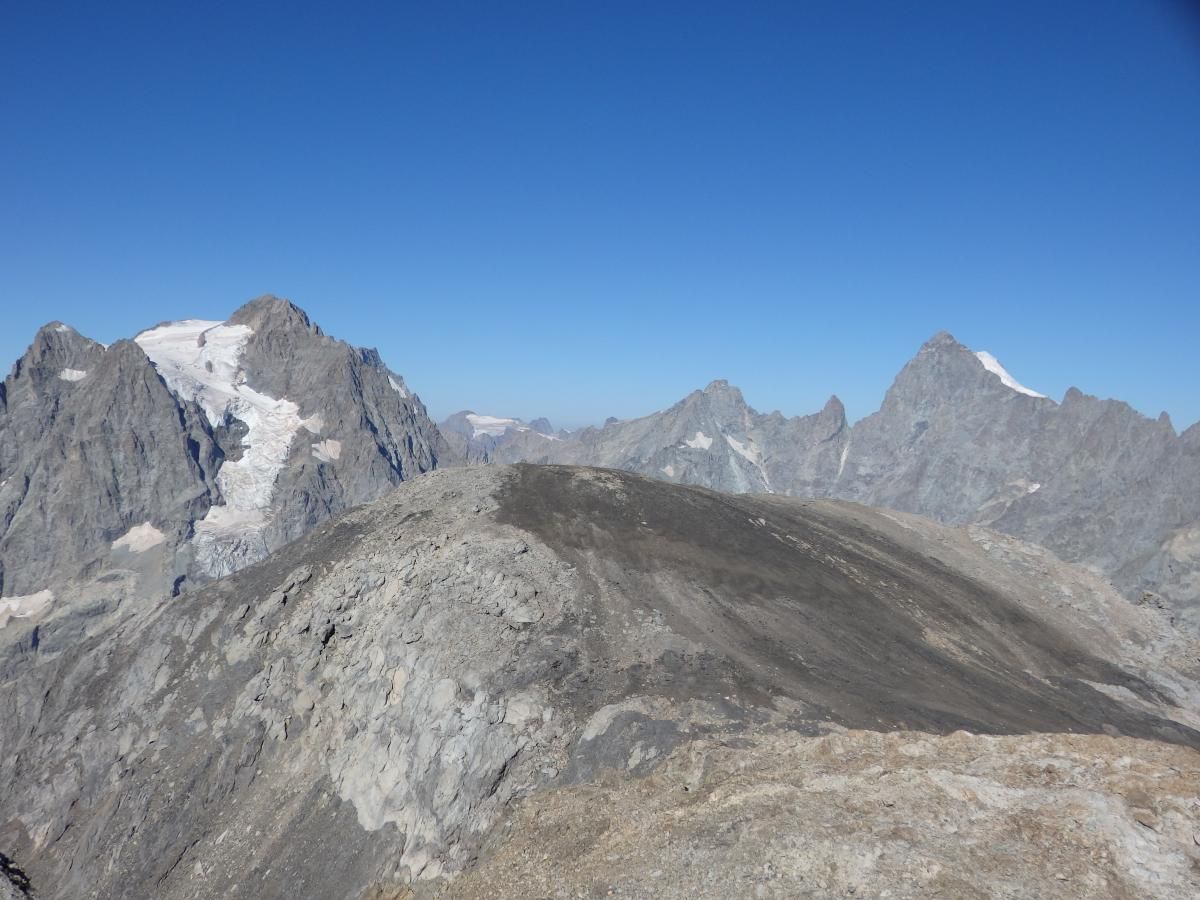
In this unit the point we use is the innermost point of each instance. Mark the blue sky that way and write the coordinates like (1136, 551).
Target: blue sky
(589, 209)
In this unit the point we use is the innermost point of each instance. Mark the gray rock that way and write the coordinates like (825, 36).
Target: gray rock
(399, 676)
(122, 479)
(1092, 480)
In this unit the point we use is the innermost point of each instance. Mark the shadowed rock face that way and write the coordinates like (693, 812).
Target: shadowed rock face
(398, 677)
(796, 599)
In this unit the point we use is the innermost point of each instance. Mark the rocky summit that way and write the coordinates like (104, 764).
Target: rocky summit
(559, 681)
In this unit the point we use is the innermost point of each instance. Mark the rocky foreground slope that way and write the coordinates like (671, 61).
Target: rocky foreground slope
(498, 681)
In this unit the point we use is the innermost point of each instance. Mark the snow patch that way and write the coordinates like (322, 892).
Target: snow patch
(397, 387)
(200, 360)
(751, 454)
(669, 470)
(993, 365)
(139, 538)
(63, 329)
(842, 461)
(493, 425)
(22, 607)
(327, 450)
(72, 375)
(700, 442)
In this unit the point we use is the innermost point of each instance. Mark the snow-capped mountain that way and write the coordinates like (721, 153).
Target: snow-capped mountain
(190, 451)
(957, 439)
(476, 438)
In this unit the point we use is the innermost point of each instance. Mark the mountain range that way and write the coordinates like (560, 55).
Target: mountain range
(266, 630)
(198, 447)
(957, 439)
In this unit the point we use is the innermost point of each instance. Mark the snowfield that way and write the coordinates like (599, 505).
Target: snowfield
(199, 360)
(993, 365)
(139, 538)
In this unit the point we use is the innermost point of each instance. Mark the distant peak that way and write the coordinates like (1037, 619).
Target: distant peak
(834, 406)
(723, 389)
(943, 340)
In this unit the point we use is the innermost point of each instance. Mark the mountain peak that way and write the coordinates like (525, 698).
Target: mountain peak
(834, 406)
(721, 389)
(943, 340)
(269, 312)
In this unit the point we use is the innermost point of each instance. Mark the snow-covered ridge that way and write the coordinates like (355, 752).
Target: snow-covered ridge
(493, 425)
(200, 360)
(993, 365)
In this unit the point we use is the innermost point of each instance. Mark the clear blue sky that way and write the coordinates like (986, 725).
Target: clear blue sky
(587, 209)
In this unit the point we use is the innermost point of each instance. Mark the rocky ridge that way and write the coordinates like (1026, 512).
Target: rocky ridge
(400, 676)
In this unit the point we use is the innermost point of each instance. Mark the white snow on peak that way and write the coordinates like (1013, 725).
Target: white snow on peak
(72, 375)
(63, 329)
(200, 360)
(493, 425)
(327, 450)
(397, 387)
(993, 365)
(700, 442)
(22, 607)
(749, 452)
(139, 538)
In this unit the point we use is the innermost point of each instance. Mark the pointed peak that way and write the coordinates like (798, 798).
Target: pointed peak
(61, 333)
(722, 389)
(269, 312)
(943, 340)
(833, 406)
